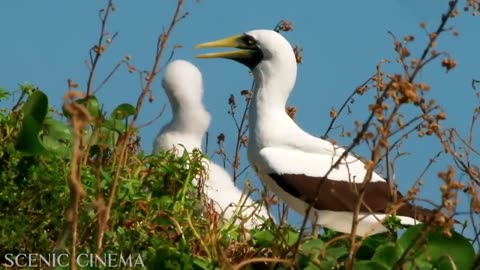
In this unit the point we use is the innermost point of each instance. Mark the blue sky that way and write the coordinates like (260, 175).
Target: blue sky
(47, 42)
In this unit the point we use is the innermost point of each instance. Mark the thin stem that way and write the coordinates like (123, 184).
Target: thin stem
(240, 133)
(98, 48)
(124, 139)
(344, 105)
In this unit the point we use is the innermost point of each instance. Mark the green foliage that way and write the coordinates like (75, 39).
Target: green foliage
(91, 104)
(441, 250)
(4, 94)
(423, 247)
(153, 193)
(34, 112)
(158, 213)
(57, 137)
(40, 133)
(123, 111)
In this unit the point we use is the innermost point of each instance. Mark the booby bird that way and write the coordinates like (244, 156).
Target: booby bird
(294, 164)
(182, 83)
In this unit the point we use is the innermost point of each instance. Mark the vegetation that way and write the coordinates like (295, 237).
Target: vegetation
(76, 181)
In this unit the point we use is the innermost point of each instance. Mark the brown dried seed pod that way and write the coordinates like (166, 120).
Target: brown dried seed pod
(408, 38)
(449, 63)
(404, 53)
(423, 86)
(441, 116)
(333, 113)
(72, 84)
(151, 98)
(131, 68)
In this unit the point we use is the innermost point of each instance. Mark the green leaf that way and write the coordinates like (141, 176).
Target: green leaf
(369, 265)
(93, 106)
(337, 252)
(56, 147)
(444, 249)
(27, 88)
(166, 202)
(169, 258)
(312, 245)
(312, 266)
(263, 238)
(388, 255)
(410, 236)
(123, 111)
(91, 103)
(115, 125)
(57, 137)
(27, 140)
(4, 94)
(292, 237)
(203, 264)
(36, 106)
(371, 244)
(108, 133)
(311, 250)
(327, 264)
(57, 130)
(34, 112)
(439, 249)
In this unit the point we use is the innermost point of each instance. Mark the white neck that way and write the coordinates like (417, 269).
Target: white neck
(274, 80)
(191, 119)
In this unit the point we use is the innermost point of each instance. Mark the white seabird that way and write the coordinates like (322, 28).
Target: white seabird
(183, 85)
(294, 164)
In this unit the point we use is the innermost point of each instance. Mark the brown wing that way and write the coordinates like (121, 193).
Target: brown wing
(344, 196)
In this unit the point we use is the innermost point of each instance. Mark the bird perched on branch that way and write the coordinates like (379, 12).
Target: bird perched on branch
(299, 168)
(183, 85)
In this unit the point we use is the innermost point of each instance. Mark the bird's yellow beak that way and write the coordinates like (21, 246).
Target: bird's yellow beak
(237, 41)
(249, 54)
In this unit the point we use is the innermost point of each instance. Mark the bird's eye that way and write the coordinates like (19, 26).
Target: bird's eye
(250, 40)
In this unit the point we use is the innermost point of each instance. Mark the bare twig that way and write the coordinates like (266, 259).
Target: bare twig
(259, 260)
(441, 28)
(109, 76)
(80, 118)
(100, 47)
(384, 136)
(241, 130)
(124, 139)
(162, 111)
(474, 84)
(344, 105)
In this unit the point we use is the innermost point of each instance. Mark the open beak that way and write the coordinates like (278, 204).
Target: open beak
(245, 52)
(249, 54)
